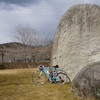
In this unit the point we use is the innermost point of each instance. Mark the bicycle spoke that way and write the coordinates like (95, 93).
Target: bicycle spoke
(38, 77)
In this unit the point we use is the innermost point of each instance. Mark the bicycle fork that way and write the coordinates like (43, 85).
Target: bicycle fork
(40, 74)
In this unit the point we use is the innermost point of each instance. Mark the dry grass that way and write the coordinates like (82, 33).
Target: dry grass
(16, 84)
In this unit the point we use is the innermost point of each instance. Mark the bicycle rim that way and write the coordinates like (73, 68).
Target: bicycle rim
(38, 77)
(62, 78)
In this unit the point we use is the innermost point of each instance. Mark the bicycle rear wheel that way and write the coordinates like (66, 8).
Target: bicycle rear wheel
(62, 78)
(38, 77)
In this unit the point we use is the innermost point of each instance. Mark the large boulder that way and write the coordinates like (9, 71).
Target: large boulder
(77, 38)
(87, 81)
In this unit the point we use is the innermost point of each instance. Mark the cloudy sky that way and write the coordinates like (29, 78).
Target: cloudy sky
(42, 15)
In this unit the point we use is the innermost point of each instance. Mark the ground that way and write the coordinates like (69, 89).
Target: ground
(16, 84)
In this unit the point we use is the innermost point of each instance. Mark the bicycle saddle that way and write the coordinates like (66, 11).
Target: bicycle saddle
(56, 66)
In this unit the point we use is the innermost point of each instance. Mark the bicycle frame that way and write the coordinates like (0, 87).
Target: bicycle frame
(55, 76)
(48, 75)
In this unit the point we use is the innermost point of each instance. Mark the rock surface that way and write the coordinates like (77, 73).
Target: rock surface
(87, 81)
(77, 38)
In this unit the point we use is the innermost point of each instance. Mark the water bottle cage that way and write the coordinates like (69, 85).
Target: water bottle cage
(54, 74)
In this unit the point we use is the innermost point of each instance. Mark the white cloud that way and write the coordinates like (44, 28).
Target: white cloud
(36, 16)
(42, 16)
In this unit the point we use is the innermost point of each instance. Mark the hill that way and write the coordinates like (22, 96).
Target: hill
(15, 52)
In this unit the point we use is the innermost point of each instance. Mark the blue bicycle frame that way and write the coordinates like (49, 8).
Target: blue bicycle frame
(48, 75)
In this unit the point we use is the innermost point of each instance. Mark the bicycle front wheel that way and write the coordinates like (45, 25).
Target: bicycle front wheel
(62, 78)
(38, 77)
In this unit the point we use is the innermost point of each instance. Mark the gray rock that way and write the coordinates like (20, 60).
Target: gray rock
(77, 38)
(87, 81)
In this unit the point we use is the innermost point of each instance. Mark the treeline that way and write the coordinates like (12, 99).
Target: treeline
(18, 65)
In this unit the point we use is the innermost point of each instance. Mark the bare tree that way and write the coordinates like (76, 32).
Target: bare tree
(29, 37)
(26, 35)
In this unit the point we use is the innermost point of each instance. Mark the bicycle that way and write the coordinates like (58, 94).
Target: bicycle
(53, 75)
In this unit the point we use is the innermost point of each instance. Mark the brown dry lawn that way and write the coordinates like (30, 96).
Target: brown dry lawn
(16, 84)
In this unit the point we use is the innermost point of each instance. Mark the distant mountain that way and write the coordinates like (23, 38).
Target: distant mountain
(11, 45)
(14, 52)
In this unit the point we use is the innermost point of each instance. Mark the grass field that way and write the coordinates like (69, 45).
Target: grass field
(16, 84)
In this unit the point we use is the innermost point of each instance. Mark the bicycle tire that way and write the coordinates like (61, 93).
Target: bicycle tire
(62, 78)
(61, 71)
(38, 77)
